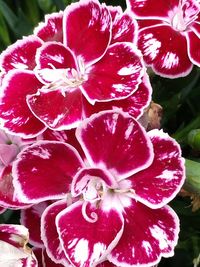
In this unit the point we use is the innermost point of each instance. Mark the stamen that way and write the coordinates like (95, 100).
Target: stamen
(93, 216)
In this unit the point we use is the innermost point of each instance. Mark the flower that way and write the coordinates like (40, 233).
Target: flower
(52, 78)
(169, 35)
(13, 247)
(116, 197)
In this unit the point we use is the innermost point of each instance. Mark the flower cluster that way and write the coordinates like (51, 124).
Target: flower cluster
(91, 181)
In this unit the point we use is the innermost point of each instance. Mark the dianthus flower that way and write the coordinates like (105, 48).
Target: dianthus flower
(13, 247)
(76, 58)
(169, 36)
(116, 197)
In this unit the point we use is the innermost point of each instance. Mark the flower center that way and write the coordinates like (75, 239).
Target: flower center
(62, 79)
(184, 16)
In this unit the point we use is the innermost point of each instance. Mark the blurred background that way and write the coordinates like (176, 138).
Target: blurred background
(180, 111)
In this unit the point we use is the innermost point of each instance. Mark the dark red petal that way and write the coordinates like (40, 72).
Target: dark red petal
(54, 54)
(15, 115)
(49, 232)
(87, 29)
(134, 104)
(116, 76)
(30, 218)
(150, 9)
(106, 264)
(66, 112)
(163, 179)
(114, 141)
(193, 47)
(148, 235)
(168, 59)
(124, 26)
(7, 191)
(86, 242)
(67, 136)
(20, 55)
(44, 171)
(51, 29)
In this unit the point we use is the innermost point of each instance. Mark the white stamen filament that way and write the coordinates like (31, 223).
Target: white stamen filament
(93, 216)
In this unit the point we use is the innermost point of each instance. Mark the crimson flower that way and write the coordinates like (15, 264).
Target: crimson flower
(13, 247)
(76, 58)
(116, 198)
(169, 36)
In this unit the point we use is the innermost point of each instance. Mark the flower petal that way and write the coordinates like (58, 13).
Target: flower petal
(85, 242)
(134, 104)
(15, 115)
(20, 55)
(113, 140)
(116, 76)
(90, 41)
(148, 235)
(49, 233)
(7, 192)
(13, 249)
(53, 54)
(168, 59)
(193, 47)
(44, 171)
(51, 29)
(124, 27)
(149, 9)
(44, 260)
(30, 218)
(163, 179)
(66, 112)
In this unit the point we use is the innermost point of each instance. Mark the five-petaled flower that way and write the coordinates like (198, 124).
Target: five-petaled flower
(79, 57)
(116, 198)
(169, 35)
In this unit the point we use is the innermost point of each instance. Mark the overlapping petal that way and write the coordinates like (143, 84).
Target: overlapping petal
(116, 76)
(43, 165)
(20, 55)
(87, 29)
(162, 180)
(80, 240)
(67, 109)
(148, 234)
(168, 59)
(13, 247)
(114, 141)
(193, 47)
(31, 219)
(8, 197)
(149, 9)
(55, 55)
(134, 104)
(124, 26)
(15, 115)
(49, 233)
(52, 28)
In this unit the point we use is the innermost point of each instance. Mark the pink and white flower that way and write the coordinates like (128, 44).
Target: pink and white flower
(13, 247)
(169, 35)
(51, 77)
(116, 210)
